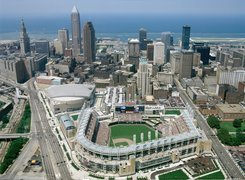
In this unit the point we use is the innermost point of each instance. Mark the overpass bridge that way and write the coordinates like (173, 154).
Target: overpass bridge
(14, 136)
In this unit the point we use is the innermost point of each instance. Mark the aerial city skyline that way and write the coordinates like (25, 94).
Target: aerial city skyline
(132, 89)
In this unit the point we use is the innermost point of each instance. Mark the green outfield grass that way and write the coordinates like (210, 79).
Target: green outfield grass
(217, 175)
(128, 130)
(179, 174)
(173, 112)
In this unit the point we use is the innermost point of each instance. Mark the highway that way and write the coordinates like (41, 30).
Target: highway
(47, 139)
(223, 156)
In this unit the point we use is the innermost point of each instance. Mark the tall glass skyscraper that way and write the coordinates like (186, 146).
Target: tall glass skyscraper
(89, 42)
(76, 32)
(142, 37)
(186, 31)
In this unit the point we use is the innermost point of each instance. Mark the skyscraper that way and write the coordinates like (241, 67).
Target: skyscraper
(186, 31)
(24, 39)
(143, 78)
(76, 31)
(89, 42)
(166, 39)
(159, 53)
(63, 37)
(142, 37)
(186, 62)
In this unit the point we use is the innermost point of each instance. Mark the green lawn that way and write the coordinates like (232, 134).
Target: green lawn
(229, 126)
(74, 117)
(179, 174)
(128, 130)
(216, 176)
(174, 112)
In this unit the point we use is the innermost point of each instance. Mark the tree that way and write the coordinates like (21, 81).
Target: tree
(236, 141)
(213, 122)
(240, 135)
(224, 136)
(237, 123)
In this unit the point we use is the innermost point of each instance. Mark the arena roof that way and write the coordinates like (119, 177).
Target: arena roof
(70, 90)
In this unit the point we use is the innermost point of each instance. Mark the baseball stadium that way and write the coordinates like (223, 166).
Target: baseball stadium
(136, 137)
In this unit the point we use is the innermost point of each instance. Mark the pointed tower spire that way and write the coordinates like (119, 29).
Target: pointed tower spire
(22, 27)
(74, 9)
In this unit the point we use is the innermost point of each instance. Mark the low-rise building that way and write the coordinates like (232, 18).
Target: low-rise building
(230, 111)
(197, 95)
(67, 126)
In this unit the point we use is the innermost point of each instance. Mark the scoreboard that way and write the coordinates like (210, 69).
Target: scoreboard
(130, 109)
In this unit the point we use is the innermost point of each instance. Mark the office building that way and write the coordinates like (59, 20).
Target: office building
(142, 37)
(58, 47)
(159, 53)
(131, 90)
(134, 52)
(166, 39)
(63, 37)
(42, 46)
(24, 39)
(186, 61)
(134, 48)
(230, 111)
(186, 31)
(76, 32)
(230, 76)
(175, 61)
(143, 78)
(150, 52)
(89, 42)
(203, 50)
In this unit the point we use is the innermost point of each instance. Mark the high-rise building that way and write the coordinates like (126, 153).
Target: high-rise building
(134, 48)
(63, 37)
(159, 53)
(42, 46)
(58, 47)
(89, 42)
(204, 50)
(186, 62)
(76, 32)
(143, 78)
(24, 39)
(142, 37)
(134, 51)
(150, 52)
(166, 39)
(186, 31)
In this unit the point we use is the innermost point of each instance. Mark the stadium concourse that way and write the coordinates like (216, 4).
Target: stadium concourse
(130, 138)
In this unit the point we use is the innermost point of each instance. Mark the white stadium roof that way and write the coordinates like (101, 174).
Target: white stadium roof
(70, 90)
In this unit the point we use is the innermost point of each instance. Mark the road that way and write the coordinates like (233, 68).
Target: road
(227, 162)
(47, 139)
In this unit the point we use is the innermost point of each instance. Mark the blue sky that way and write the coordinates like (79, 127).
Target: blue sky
(56, 7)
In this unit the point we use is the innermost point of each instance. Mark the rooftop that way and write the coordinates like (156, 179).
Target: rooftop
(70, 90)
(231, 108)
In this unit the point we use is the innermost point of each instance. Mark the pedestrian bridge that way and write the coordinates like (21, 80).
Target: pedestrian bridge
(13, 136)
